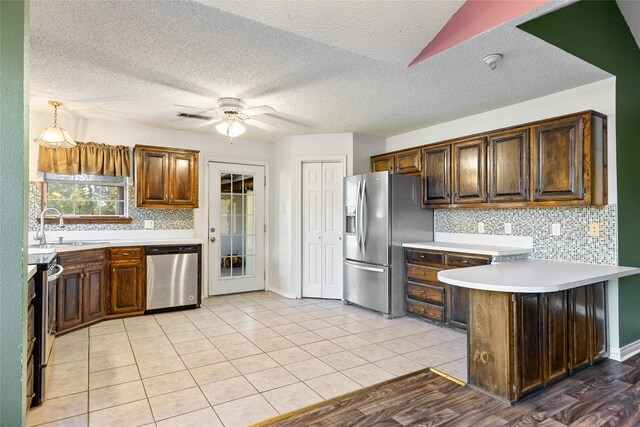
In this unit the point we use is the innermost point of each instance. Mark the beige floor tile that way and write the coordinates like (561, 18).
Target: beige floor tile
(177, 403)
(167, 383)
(173, 318)
(73, 384)
(322, 348)
(367, 375)
(240, 350)
(193, 346)
(271, 378)
(301, 317)
(116, 395)
(289, 329)
(451, 348)
(216, 372)
(61, 356)
(350, 342)
(151, 342)
(108, 362)
(203, 358)
(106, 328)
(399, 365)
(227, 390)
(377, 336)
(260, 334)
(174, 328)
(139, 322)
(248, 325)
(248, 410)
(258, 362)
(161, 366)
(229, 339)
(77, 421)
(57, 409)
(343, 360)
(273, 344)
(290, 355)
(202, 418)
(357, 327)
(113, 376)
(332, 332)
(209, 323)
(137, 334)
(110, 350)
(180, 337)
(400, 345)
(333, 385)
(216, 331)
(303, 338)
(309, 369)
(275, 320)
(457, 369)
(292, 397)
(373, 352)
(130, 414)
(428, 357)
(338, 320)
(100, 341)
(65, 370)
(314, 324)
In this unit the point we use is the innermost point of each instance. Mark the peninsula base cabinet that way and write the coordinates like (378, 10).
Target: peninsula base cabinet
(520, 343)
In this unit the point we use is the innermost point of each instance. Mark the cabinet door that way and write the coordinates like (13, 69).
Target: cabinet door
(558, 171)
(152, 177)
(469, 171)
(599, 321)
(408, 162)
(508, 166)
(183, 188)
(70, 298)
(383, 163)
(555, 335)
(457, 307)
(580, 329)
(127, 288)
(436, 186)
(93, 293)
(530, 327)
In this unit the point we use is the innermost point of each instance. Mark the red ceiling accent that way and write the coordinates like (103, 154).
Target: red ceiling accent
(473, 18)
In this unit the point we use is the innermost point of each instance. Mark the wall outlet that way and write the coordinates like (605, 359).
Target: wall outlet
(555, 229)
(148, 224)
(507, 228)
(481, 227)
(594, 229)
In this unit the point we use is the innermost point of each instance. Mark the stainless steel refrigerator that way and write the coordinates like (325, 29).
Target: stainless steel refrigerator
(382, 211)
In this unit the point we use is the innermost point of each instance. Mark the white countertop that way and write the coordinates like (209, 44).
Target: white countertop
(469, 248)
(533, 275)
(116, 243)
(31, 270)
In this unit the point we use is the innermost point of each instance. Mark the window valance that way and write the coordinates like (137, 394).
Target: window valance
(88, 158)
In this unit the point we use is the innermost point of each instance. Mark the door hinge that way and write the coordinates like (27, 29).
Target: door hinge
(265, 228)
(265, 275)
(513, 297)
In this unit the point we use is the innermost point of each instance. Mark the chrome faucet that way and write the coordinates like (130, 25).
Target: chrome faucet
(40, 234)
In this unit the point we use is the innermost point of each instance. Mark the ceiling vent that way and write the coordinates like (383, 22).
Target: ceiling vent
(195, 116)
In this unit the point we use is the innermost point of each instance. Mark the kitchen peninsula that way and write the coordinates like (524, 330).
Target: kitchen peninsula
(533, 322)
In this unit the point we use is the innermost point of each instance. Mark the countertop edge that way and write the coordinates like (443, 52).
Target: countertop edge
(31, 271)
(470, 249)
(117, 243)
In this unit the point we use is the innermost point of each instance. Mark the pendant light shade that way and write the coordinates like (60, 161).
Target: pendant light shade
(231, 127)
(53, 136)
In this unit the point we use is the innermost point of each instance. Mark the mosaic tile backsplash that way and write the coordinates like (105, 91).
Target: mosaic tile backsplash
(164, 219)
(574, 243)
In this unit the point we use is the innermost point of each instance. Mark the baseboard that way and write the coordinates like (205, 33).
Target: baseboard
(282, 293)
(623, 353)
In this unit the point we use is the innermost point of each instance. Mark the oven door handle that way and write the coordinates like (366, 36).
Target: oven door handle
(54, 276)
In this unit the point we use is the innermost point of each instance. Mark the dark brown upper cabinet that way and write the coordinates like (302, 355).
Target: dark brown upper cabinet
(408, 162)
(469, 171)
(166, 177)
(558, 155)
(508, 166)
(436, 183)
(383, 163)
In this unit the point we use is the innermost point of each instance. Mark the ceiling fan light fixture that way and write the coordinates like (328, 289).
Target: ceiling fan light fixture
(231, 127)
(54, 136)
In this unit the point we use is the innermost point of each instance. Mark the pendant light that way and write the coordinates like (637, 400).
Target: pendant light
(231, 127)
(53, 136)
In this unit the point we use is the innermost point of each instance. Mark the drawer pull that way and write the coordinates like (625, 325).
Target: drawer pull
(422, 272)
(465, 261)
(31, 396)
(32, 295)
(126, 253)
(33, 339)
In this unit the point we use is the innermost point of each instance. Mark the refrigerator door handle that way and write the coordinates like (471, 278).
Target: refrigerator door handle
(362, 267)
(358, 216)
(363, 214)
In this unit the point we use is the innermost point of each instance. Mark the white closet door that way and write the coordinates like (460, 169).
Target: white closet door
(322, 230)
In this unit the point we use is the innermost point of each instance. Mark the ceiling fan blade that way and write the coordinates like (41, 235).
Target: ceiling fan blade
(196, 108)
(254, 111)
(209, 122)
(259, 124)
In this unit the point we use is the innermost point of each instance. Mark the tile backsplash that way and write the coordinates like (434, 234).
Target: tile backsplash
(573, 244)
(164, 219)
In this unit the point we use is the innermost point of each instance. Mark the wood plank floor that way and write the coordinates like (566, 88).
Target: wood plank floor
(607, 394)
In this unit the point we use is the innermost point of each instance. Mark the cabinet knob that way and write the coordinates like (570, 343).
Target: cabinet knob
(126, 254)
(33, 339)
(465, 261)
(32, 295)
(421, 256)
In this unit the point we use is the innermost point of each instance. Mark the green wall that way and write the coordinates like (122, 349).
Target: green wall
(597, 32)
(13, 207)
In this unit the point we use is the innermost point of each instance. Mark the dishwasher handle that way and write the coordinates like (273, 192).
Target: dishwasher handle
(169, 250)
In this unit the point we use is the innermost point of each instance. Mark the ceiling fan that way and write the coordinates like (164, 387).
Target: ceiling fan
(232, 116)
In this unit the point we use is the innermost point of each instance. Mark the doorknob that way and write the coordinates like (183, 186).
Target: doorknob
(213, 239)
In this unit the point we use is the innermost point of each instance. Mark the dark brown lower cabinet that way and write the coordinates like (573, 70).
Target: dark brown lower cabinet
(127, 290)
(81, 289)
(519, 343)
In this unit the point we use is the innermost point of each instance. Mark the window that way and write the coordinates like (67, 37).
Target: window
(86, 195)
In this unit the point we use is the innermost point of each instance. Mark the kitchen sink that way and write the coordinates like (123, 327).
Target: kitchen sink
(66, 244)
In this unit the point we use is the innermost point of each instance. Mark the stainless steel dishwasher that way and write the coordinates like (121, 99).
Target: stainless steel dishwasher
(173, 277)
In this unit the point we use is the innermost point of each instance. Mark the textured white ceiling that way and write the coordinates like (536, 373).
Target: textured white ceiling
(132, 60)
(631, 11)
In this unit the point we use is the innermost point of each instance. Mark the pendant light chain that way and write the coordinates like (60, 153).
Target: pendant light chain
(55, 116)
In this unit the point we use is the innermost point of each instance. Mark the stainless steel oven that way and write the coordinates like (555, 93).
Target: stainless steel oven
(50, 310)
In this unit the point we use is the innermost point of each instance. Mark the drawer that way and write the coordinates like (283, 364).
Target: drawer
(81, 257)
(426, 310)
(31, 289)
(30, 393)
(422, 274)
(127, 252)
(434, 259)
(466, 260)
(31, 334)
(428, 293)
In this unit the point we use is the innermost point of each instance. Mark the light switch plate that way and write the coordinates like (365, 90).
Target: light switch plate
(148, 224)
(555, 229)
(594, 229)
(481, 227)
(507, 228)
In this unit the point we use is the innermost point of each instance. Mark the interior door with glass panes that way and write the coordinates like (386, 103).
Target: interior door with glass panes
(236, 228)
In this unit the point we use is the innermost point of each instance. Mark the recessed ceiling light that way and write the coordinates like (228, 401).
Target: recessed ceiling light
(492, 60)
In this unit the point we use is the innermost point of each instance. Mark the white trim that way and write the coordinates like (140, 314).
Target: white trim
(205, 218)
(282, 293)
(623, 353)
(297, 210)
